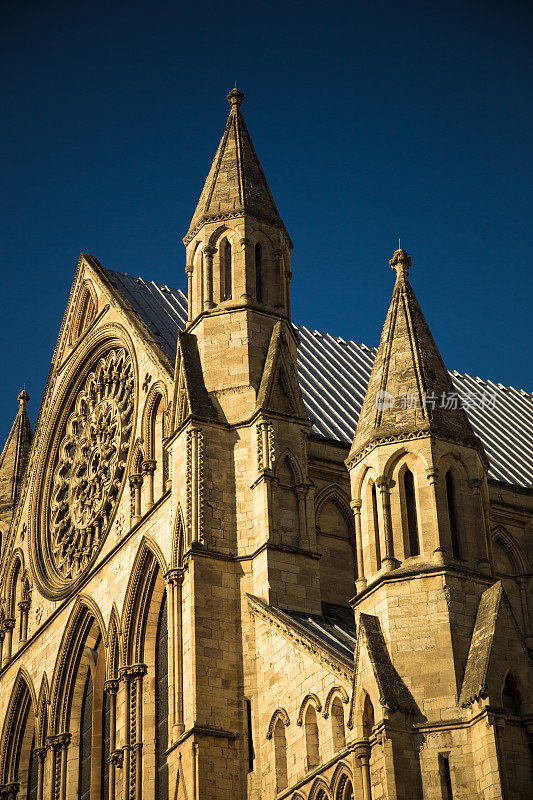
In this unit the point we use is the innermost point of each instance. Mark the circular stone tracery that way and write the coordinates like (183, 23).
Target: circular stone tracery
(90, 465)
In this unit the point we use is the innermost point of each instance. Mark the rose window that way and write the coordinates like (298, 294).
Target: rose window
(91, 463)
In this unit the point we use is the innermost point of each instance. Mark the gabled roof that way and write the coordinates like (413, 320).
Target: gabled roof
(15, 454)
(236, 182)
(334, 374)
(408, 377)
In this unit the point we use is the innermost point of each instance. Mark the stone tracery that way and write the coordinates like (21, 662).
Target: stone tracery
(91, 463)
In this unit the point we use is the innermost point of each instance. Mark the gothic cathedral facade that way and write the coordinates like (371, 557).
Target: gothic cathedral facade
(222, 576)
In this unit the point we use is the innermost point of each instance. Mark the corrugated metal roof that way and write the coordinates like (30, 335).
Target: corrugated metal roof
(335, 627)
(334, 375)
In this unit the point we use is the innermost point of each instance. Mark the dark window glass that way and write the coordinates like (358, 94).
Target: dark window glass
(106, 744)
(511, 698)
(412, 522)
(161, 717)
(452, 514)
(258, 274)
(227, 271)
(32, 773)
(86, 735)
(250, 736)
(446, 777)
(376, 524)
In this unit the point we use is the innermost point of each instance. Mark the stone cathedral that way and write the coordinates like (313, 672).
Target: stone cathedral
(242, 559)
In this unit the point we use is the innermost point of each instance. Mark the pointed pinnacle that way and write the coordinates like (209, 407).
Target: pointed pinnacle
(235, 98)
(401, 261)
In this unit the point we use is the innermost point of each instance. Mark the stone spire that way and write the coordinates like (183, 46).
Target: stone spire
(15, 454)
(236, 183)
(410, 390)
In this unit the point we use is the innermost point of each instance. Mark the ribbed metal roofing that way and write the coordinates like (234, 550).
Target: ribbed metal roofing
(334, 374)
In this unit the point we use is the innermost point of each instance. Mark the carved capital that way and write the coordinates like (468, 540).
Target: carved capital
(40, 753)
(136, 480)
(244, 242)
(355, 505)
(24, 605)
(133, 671)
(189, 269)
(149, 465)
(432, 474)
(9, 791)
(383, 483)
(174, 576)
(111, 686)
(117, 758)
(9, 623)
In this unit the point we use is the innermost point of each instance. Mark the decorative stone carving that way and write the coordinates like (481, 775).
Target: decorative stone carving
(88, 468)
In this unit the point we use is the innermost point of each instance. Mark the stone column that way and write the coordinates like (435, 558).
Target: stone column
(174, 580)
(9, 625)
(301, 494)
(148, 467)
(111, 687)
(189, 270)
(133, 746)
(522, 586)
(40, 754)
(136, 482)
(483, 562)
(388, 562)
(440, 553)
(362, 752)
(59, 745)
(360, 583)
(245, 281)
(208, 278)
(24, 607)
(2, 637)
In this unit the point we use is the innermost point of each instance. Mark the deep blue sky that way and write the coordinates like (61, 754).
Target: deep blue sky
(372, 120)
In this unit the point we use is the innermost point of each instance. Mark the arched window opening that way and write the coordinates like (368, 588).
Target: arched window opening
(511, 700)
(226, 271)
(280, 756)
(160, 454)
(258, 273)
(412, 521)
(337, 726)
(161, 726)
(452, 515)
(106, 744)
(368, 718)
(86, 735)
(311, 738)
(32, 773)
(375, 519)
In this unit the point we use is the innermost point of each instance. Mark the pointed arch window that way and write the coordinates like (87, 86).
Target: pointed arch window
(511, 700)
(86, 735)
(452, 514)
(311, 738)
(280, 755)
(161, 677)
(258, 273)
(226, 271)
(337, 726)
(410, 506)
(375, 519)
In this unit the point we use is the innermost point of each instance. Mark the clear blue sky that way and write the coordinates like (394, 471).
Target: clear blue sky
(372, 120)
